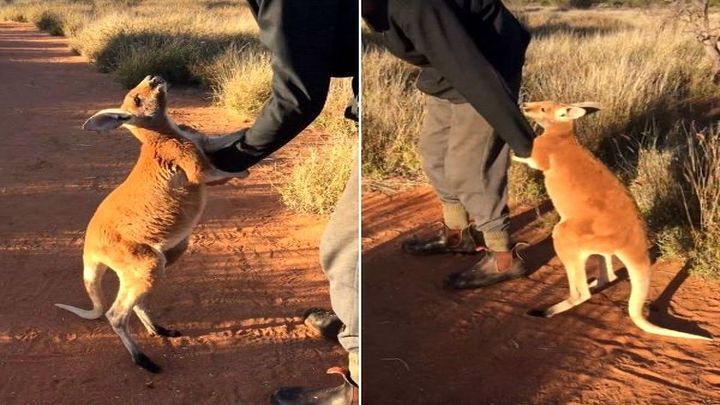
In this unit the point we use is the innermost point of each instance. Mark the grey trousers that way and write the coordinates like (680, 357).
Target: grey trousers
(467, 164)
(339, 256)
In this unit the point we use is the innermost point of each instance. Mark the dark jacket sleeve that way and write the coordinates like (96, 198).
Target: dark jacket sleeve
(299, 35)
(437, 32)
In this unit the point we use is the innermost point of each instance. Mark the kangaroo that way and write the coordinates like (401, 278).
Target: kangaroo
(598, 216)
(143, 225)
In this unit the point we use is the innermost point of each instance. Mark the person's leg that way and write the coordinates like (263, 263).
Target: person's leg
(478, 163)
(433, 146)
(339, 250)
(476, 168)
(339, 257)
(433, 149)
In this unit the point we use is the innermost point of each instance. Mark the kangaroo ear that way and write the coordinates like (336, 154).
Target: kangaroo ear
(589, 106)
(105, 120)
(569, 113)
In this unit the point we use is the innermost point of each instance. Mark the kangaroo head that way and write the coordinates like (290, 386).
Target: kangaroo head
(549, 113)
(144, 106)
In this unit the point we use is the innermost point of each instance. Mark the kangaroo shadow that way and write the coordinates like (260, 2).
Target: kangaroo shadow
(660, 308)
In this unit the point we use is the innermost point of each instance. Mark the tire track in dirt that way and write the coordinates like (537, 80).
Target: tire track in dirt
(237, 293)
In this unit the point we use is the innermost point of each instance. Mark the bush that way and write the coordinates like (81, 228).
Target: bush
(50, 23)
(173, 63)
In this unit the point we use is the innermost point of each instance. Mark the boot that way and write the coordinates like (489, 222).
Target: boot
(323, 322)
(345, 394)
(493, 268)
(465, 241)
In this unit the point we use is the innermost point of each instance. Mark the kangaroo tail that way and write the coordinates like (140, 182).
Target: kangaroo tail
(640, 285)
(92, 275)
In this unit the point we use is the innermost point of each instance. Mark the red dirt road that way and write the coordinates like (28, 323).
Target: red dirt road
(423, 345)
(252, 267)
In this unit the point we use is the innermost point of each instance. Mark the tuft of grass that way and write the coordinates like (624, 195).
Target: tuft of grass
(317, 181)
(241, 81)
(120, 43)
(525, 185)
(673, 242)
(332, 118)
(705, 256)
(51, 23)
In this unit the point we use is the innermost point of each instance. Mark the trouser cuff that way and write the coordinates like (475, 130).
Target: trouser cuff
(497, 241)
(455, 216)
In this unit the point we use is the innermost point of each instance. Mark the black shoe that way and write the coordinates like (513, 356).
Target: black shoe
(345, 394)
(493, 268)
(447, 241)
(323, 322)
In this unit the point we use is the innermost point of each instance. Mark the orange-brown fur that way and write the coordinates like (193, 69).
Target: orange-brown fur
(598, 216)
(144, 224)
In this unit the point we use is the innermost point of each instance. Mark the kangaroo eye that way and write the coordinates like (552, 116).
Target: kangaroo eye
(541, 108)
(138, 101)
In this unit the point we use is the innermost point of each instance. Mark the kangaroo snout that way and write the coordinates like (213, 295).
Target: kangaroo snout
(155, 81)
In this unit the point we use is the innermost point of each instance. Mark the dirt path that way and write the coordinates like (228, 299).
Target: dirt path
(236, 294)
(424, 345)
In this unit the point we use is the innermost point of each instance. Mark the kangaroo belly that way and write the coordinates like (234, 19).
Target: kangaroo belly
(152, 212)
(597, 205)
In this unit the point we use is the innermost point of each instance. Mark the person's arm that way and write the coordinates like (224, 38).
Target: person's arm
(437, 32)
(299, 35)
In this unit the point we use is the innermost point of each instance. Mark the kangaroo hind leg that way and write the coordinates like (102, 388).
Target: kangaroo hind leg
(141, 265)
(93, 272)
(568, 248)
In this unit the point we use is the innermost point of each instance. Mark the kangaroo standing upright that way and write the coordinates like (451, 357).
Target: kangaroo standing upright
(598, 216)
(144, 224)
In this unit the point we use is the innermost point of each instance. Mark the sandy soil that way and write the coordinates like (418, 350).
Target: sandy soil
(236, 294)
(423, 345)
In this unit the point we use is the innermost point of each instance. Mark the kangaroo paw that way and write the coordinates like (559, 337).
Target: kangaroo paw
(144, 361)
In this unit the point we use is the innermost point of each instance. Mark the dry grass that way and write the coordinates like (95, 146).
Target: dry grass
(646, 71)
(392, 115)
(136, 38)
(318, 180)
(209, 43)
(241, 81)
(702, 172)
